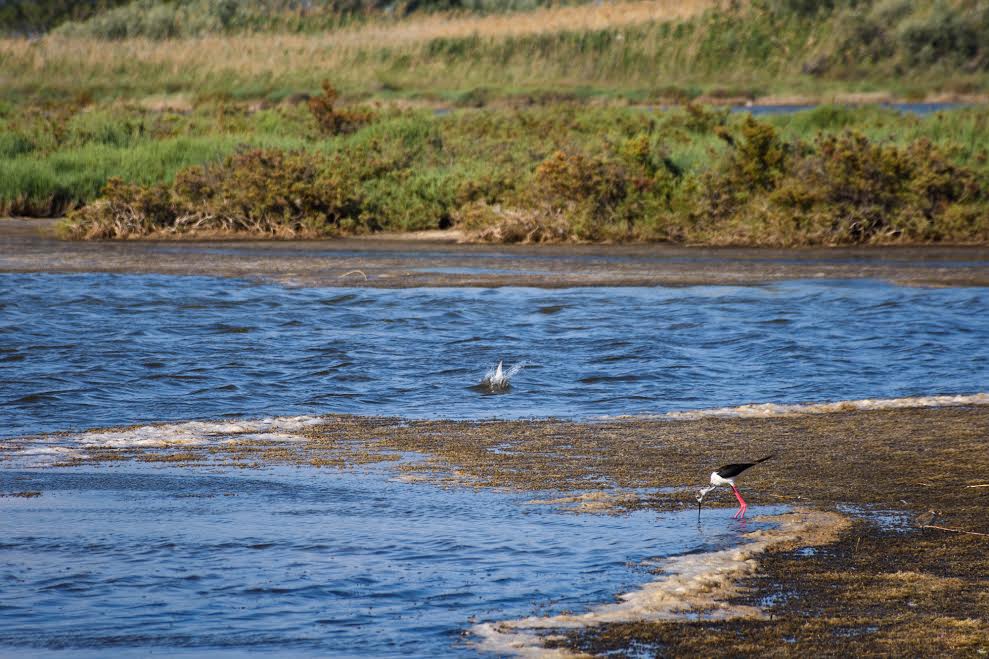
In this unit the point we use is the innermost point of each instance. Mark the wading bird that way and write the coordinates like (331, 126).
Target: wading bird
(726, 476)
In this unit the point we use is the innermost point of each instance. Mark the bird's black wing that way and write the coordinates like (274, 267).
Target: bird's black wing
(730, 471)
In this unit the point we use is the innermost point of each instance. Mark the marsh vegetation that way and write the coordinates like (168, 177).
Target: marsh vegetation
(208, 117)
(547, 174)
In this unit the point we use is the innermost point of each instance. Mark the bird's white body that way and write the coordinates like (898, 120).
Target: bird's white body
(715, 482)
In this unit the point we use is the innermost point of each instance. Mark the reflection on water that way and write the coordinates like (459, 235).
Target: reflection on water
(96, 349)
(302, 561)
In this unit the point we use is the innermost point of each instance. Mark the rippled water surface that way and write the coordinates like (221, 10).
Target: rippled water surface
(94, 350)
(302, 561)
(134, 558)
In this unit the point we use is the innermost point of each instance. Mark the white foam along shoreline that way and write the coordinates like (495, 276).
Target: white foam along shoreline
(766, 410)
(698, 584)
(51, 449)
(199, 433)
(47, 450)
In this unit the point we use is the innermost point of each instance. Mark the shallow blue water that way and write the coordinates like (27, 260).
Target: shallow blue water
(302, 561)
(96, 349)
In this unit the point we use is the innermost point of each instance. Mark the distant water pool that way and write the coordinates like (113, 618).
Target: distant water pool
(135, 560)
(91, 350)
(921, 109)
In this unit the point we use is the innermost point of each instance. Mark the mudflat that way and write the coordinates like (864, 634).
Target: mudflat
(436, 259)
(909, 574)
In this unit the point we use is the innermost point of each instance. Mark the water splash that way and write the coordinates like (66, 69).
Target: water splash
(498, 379)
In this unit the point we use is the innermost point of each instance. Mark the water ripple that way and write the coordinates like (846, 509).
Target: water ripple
(116, 558)
(99, 349)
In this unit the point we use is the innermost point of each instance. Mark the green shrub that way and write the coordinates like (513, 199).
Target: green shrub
(879, 193)
(841, 189)
(262, 192)
(562, 173)
(948, 34)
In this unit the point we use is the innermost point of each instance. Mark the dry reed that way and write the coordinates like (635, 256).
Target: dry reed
(274, 54)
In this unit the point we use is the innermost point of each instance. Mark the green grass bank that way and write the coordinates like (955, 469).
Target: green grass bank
(557, 173)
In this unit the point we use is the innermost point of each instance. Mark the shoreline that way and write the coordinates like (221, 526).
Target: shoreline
(434, 260)
(909, 480)
(689, 585)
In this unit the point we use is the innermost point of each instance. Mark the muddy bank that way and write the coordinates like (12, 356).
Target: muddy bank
(406, 261)
(694, 585)
(909, 577)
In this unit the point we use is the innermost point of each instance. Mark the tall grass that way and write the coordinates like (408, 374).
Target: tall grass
(368, 20)
(49, 184)
(641, 51)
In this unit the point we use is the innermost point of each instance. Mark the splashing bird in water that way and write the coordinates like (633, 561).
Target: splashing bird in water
(726, 476)
(500, 379)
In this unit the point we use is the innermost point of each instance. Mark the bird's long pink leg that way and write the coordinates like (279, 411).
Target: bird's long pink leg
(742, 506)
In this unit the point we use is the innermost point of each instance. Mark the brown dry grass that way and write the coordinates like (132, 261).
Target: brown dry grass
(540, 21)
(254, 55)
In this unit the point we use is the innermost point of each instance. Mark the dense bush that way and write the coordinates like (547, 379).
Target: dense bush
(909, 35)
(563, 174)
(261, 192)
(571, 197)
(157, 20)
(840, 189)
(858, 191)
(837, 189)
(32, 17)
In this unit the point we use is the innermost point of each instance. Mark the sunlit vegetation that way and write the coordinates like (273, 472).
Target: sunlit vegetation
(573, 173)
(639, 51)
(542, 125)
(33, 17)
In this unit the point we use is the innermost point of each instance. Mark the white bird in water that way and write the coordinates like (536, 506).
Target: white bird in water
(499, 379)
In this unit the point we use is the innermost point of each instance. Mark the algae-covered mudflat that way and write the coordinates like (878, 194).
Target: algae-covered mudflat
(901, 554)
(437, 259)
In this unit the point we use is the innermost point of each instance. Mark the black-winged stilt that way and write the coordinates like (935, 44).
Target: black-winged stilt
(726, 476)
